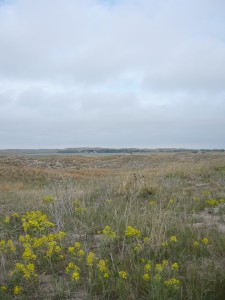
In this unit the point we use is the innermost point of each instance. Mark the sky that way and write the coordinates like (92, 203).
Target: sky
(112, 73)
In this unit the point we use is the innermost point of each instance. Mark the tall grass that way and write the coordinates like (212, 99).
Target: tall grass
(114, 234)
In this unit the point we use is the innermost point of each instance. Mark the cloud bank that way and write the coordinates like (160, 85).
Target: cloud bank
(137, 73)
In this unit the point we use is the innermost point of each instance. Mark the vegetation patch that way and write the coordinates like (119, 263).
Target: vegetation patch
(122, 236)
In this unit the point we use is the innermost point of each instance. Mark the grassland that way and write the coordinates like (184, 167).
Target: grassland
(113, 227)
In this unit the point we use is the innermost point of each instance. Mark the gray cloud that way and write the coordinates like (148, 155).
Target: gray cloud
(112, 73)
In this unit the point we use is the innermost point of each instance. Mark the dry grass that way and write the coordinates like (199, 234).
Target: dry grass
(152, 193)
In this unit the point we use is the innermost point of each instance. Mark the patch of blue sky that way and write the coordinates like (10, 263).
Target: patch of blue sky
(109, 2)
(5, 2)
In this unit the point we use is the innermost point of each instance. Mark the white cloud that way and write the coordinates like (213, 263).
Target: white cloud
(112, 73)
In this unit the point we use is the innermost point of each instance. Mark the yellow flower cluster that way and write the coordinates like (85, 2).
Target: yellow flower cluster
(6, 220)
(165, 262)
(212, 202)
(90, 259)
(17, 290)
(53, 248)
(147, 267)
(102, 267)
(76, 250)
(171, 201)
(38, 242)
(159, 270)
(7, 246)
(173, 282)
(35, 221)
(146, 277)
(109, 233)
(173, 239)
(159, 267)
(13, 216)
(123, 274)
(175, 266)
(132, 232)
(195, 244)
(204, 241)
(27, 271)
(28, 254)
(46, 242)
(73, 270)
(3, 288)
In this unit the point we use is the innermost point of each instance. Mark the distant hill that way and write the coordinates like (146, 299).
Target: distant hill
(98, 150)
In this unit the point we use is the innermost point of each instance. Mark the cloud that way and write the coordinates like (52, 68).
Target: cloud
(112, 73)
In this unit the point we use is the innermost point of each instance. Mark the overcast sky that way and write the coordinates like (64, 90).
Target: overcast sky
(112, 73)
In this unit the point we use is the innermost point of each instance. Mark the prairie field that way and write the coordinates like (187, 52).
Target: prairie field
(113, 227)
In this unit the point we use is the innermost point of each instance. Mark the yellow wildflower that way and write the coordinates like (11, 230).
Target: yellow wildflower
(173, 239)
(171, 201)
(123, 274)
(147, 267)
(109, 233)
(103, 268)
(57, 249)
(131, 231)
(172, 282)
(28, 270)
(81, 252)
(71, 249)
(195, 244)
(175, 266)
(212, 202)
(35, 221)
(165, 244)
(146, 277)
(15, 215)
(90, 259)
(17, 290)
(75, 276)
(205, 241)
(159, 267)
(6, 220)
(28, 254)
(77, 245)
(3, 288)
(165, 262)
(60, 235)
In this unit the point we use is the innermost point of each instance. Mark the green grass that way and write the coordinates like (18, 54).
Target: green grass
(140, 225)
